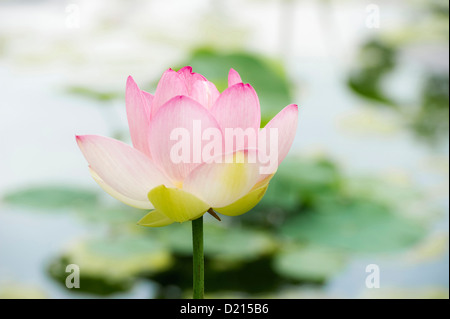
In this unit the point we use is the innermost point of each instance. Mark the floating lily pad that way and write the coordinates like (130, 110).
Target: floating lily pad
(231, 244)
(119, 214)
(376, 60)
(309, 263)
(88, 92)
(19, 291)
(302, 182)
(52, 197)
(119, 258)
(99, 286)
(359, 227)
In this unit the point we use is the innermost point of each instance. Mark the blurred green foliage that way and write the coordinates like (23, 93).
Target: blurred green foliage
(303, 231)
(379, 58)
(317, 263)
(432, 118)
(357, 226)
(52, 197)
(376, 60)
(306, 228)
(91, 93)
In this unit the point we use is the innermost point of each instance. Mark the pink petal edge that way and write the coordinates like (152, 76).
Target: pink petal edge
(233, 78)
(122, 167)
(138, 106)
(238, 107)
(285, 122)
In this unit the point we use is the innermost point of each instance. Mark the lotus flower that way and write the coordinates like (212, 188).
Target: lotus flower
(146, 175)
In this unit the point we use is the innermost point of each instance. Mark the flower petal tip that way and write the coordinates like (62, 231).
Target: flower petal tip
(233, 77)
(187, 67)
(79, 139)
(130, 80)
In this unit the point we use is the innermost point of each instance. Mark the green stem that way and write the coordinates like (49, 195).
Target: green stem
(198, 259)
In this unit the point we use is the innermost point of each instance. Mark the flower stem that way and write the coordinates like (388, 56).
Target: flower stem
(198, 259)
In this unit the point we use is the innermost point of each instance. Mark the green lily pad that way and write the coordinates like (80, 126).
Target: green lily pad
(119, 258)
(309, 263)
(231, 244)
(19, 291)
(300, 183)
(237, 244)
(358, 226)
(376, 60)
(52, 197)
(95, 285)
(89, 93)
(112, 215)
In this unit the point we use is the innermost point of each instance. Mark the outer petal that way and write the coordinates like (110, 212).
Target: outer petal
(139, 104)
(238, 107)
(190, 77)
(205, 93)
(244, 204)
(233, 78)
(247, 202)
(124, 199)
(176, 204)
(220, 184)
(171, 84)
(155, 219)
(123, 168)
(285, 125)
(186, 116)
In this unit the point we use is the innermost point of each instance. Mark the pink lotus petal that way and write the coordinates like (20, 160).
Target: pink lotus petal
(171, 84)
(142, 204)
(233, 78)
(125, 169)
(205, 93)
(285, 122)
(238, 107)
(220, 184)
(190, 77)
(139, 104)
(185, 115)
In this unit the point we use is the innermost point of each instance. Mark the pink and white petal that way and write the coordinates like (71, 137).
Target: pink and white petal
(114, 193)
(220, 184)
(238, 107)
(125, 169)
(181, 121)
(233, 78)
(263, 180)
(281, 129)
(139, 106)
(205, 93)
(171, 84)
(190, 77)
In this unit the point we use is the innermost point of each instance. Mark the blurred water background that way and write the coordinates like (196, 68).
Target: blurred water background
(365, 183)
